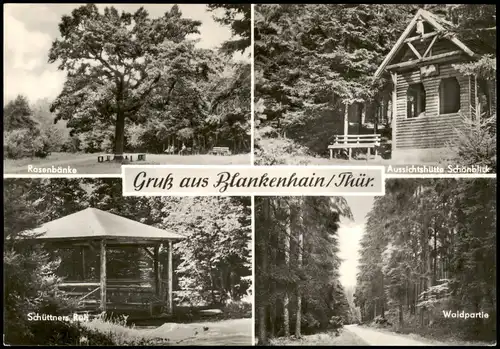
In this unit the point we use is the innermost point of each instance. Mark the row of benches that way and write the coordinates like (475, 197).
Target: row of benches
(142, 156)
(109, 157)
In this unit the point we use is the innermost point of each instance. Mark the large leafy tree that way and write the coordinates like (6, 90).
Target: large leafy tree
(119, 64)
(238, 17)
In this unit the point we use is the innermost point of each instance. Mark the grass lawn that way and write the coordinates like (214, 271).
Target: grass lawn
(225, 332)
(325, 161)
(87, 163)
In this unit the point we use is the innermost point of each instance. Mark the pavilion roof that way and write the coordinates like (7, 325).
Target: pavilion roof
(92, 223)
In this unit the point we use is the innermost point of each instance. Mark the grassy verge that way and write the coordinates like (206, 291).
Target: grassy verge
(321, 339)
(87, 163)
(120, 334)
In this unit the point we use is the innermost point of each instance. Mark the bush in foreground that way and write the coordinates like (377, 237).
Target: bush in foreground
(281, 151)
(476, 144)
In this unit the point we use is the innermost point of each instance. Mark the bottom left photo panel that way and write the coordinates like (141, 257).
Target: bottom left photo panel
(85, 265)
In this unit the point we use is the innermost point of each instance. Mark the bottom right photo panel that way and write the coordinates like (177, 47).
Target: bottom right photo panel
(414, 267)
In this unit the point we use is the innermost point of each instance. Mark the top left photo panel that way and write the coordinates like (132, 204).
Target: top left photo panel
(90, 87)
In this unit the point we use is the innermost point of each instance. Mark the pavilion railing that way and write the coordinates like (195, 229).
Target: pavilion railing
(120, 295)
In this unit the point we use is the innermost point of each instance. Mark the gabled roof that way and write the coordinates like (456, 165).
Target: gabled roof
(92, 223)
(439, 24)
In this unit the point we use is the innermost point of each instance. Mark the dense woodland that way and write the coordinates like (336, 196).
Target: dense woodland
(214, 260)
(429, 246)
(297, 267)
(313, 60)
(136, 83)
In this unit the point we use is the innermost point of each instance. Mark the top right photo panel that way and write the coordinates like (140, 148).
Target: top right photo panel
(393, 85)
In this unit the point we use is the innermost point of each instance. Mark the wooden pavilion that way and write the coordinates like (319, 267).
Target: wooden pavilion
(92, 232)
(430, 98)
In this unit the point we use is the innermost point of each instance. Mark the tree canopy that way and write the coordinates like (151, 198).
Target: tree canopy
(238, 17)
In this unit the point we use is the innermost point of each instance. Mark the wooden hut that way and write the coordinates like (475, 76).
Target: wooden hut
(90, 235)
(430, 98)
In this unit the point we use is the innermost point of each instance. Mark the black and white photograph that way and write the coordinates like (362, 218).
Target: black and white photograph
(84, 265)
(89, 87)
(162, 181)
(414, 267)
(378, 84)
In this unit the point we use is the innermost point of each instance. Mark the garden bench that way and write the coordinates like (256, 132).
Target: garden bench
(220, 151)
(355, 141)
(108, 157)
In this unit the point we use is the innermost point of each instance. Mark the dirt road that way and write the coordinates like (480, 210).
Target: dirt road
(377, 337)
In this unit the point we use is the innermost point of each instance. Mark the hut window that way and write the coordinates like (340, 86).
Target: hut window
(449, 96)
(415, 101)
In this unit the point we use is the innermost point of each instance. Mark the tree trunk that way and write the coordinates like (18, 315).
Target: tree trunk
(298, 322)
(263, 274)
(401, 320)
(286, 298)
(273, 242)
(119, 136)
(434, 266)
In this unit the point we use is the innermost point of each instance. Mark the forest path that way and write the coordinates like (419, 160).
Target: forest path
(378, 337)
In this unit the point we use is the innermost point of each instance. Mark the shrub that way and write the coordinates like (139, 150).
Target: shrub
(21, 143)
(309, 323)
(381, 321)
(475, 144)
(237, 310)
(336, 322)
(67, 333)
(72, 145)
(280, 151)
(117, 332)
(30, 287)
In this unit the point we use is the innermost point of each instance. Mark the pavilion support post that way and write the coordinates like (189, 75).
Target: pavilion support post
(394, 110)
(157, 271)
(103, 275)
(170, 279)
(84, 271)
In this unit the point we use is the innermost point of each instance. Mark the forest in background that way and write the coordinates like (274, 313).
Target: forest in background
(430, 246)
(297, 267)
(310, 60)
(136, 91)
(214, 259)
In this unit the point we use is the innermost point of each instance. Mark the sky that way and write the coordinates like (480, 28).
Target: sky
(29, 30)
(350, 233)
